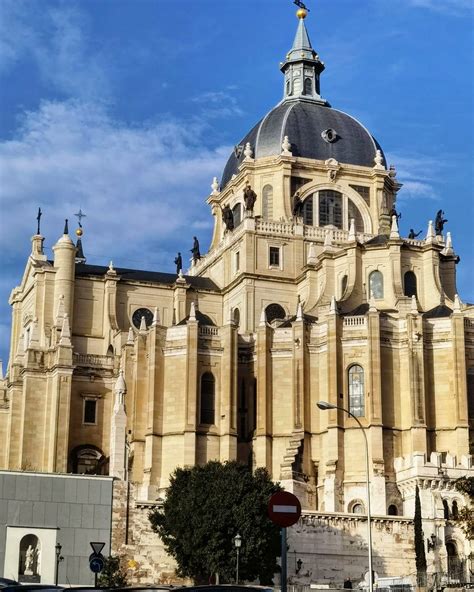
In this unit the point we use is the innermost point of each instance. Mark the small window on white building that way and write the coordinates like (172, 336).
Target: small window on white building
(90, 412)
(237, 261)
(274, 256)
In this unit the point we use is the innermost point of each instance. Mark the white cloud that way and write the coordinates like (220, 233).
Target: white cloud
(139, 186)
(218, 104)
(55, 38)
(418, 175)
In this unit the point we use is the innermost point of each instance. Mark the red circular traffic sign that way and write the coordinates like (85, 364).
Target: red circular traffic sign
(284, 508)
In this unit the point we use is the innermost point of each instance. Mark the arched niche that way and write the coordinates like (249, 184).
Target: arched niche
(29, 568)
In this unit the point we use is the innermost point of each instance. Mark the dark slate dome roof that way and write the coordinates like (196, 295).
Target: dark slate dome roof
(303, 122)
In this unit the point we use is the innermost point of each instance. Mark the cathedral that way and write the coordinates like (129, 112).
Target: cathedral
(308, 293)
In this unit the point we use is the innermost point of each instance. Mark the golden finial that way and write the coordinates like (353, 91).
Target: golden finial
(80, 215)
(301, 13)
(79, 232)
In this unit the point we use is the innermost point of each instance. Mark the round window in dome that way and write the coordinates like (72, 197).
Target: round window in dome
(329, 135)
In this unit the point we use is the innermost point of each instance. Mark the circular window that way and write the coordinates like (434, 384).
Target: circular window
(274, 311)
(329, 135)
(138, 314)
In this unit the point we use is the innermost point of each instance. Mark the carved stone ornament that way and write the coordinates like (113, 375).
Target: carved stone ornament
(286, 147)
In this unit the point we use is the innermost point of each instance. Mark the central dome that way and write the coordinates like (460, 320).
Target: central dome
(314, 130)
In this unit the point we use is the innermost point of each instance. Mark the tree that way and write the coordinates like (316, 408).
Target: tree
(113, 575)
(205, 508)
(465, 516)
(419, 542)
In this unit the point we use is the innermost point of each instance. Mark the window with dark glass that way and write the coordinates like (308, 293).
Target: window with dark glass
(353, 212)
(296, 183)
(376, 285)
(274, 311)
(343, 285)
(392, 510)
(330, 208)
(237, 214)
(308, 211)
(356, 391)
(363, 192)
(207, 399)
(90, 408)
(274, 256)
(409, 284)
(267, 202)
(308, 86)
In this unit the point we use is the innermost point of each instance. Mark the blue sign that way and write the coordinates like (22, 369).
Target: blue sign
(96, 563)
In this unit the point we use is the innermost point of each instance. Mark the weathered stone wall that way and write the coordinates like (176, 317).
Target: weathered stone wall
(331, 547)
(133, 539)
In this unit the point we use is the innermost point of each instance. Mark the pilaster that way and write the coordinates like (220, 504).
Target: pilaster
(228, 407)
(263, 432)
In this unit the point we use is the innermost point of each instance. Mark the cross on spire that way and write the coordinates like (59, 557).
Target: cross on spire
(80, 214)
(38, 217)
(301, 5)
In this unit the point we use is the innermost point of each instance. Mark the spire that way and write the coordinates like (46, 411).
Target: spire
(414, 305)
(65, 338)
(263, 318)
(312, 259)
(394, 234)
(352, 231)
(130, 337)
(192, 311)
(299, 312)
(143, 328)
(79, 232)
(66, 227)
(333, 305)
(156, 317)
(430, 234)
(302, 66)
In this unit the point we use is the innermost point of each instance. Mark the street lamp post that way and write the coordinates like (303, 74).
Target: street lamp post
(324, 405)
(237, 544)
(59, 558)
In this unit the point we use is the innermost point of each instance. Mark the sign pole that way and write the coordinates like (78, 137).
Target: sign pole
(283, 559)
(95, 580)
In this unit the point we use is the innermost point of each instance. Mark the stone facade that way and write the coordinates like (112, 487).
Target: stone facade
(142, 372)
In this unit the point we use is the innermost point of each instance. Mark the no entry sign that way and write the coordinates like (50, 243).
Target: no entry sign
(284, 508)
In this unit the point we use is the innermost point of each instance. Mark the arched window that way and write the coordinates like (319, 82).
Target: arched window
(308, 211)
(356, 507)
(308, 86)
(237, 214)
(267, 202)
(392, 510)
(274, 311)
(87, 459)
(343, 285)
(330, 208)
(455, 564)
(207, 399)
(445, 509)
(353, 212)
(288, 87)
(236, 316)
(455, 510)
(376, 285)
(409, 284)
(356, 390)
(110, 350)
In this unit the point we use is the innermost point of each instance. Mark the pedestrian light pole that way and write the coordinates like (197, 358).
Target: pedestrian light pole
(59, 558)
(237, 544)
(324, 406)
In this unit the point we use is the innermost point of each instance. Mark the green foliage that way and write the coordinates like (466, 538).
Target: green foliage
(113, 575)
(205, 508)
(419, 541)
(465, 518)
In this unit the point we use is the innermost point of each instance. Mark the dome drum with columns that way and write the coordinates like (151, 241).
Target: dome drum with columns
(310, 294)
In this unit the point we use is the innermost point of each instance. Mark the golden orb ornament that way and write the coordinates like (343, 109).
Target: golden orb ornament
(301, 13)
(79, 232)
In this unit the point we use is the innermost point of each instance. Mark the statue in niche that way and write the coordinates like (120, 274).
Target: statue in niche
(440, 221)
(228, 217)
(297, 208)
(413, 234)
(250, 197)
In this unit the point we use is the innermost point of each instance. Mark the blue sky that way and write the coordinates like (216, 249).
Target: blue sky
(128, 108)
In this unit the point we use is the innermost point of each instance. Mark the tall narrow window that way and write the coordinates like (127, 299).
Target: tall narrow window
(330, 208)
(308, 86)
(237, 214)
(376, 285)
(207, 398)
(90, 411)
(274, 256)
(356, 391)
(353, 212)
(267, 202)
(343, 285)
(308, 211)
(409, 284)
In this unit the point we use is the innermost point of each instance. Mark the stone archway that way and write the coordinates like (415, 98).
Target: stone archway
(455, 562)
